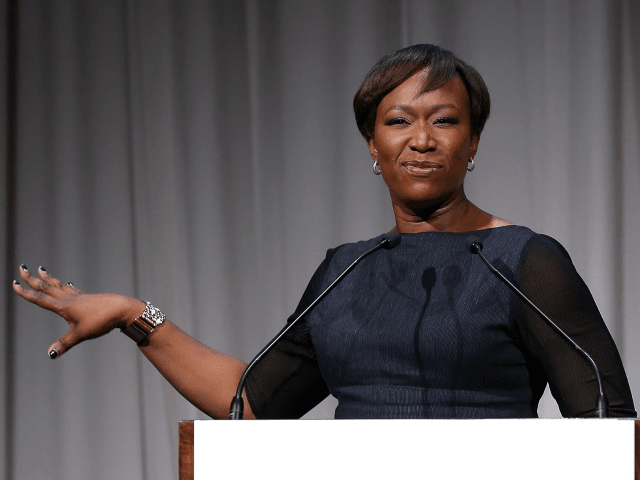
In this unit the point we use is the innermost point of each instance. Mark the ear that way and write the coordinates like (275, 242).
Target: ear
(473, 147)
(373, 151)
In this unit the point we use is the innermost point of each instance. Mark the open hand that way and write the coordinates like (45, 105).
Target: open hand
(88, 315)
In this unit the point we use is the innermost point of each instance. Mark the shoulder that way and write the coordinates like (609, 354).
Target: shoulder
(478, 219)
(507, 238)
(513, 235)
(350, 250)
(345, 251)
(519, 246)
(535, 258)
(336, 259)
(498, 222)
(544, 253)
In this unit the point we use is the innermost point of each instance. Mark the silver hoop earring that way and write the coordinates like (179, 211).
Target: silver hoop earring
(376, 167)
(472, 165)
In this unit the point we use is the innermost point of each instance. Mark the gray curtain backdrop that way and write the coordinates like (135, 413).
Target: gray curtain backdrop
(203, 155)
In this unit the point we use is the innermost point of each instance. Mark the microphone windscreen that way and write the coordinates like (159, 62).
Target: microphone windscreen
(474, 244)
(391, 239)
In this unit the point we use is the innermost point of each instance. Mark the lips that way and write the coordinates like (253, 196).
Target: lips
(420, 168)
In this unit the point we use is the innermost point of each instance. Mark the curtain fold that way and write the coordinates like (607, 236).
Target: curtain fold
(8, 87)
(203, 155)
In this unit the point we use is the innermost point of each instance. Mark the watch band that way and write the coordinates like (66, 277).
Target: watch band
(144, 324)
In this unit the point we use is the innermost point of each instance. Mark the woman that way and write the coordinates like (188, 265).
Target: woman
(420, 331)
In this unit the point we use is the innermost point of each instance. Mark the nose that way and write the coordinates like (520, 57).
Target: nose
(421, 139)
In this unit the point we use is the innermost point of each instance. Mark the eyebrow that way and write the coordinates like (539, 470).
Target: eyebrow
(436, 107)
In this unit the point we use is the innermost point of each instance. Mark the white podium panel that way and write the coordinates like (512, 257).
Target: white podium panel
(389, 449)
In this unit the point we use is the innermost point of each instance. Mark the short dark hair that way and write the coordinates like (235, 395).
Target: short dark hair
(397, 67)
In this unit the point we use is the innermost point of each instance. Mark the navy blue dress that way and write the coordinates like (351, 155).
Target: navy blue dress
(424, 330)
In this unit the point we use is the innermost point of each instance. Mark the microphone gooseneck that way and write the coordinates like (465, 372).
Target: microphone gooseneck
(236, 410)
(474, 244)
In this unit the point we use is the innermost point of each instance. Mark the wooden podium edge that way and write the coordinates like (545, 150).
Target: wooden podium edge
(185, 459)
(637, 446)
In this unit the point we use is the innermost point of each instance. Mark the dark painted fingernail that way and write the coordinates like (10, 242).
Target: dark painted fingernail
(70, 284)
(24, 267)
(53, 353)
(42, 269)
(15, 282)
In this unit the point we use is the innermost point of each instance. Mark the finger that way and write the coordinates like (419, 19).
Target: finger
(63, 344)
(39, 298)
(43, 283)
(45, 277)
(71, 288)
(34, 282)
(65, 287)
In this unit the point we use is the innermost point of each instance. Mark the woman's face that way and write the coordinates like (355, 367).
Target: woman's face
(423, 143)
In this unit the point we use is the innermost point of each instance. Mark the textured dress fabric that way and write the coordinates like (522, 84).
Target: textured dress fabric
(425, 330)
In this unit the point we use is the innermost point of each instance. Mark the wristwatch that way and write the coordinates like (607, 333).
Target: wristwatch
(144, 324)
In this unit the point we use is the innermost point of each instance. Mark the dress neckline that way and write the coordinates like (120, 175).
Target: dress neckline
(470, 232)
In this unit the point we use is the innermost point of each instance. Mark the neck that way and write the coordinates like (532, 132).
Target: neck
(455, 215)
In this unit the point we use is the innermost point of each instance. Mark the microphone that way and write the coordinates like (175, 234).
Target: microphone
(388, 241)
(474, 244)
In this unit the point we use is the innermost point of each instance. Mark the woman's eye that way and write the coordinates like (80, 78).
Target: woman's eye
(446, 120)
(397, 121)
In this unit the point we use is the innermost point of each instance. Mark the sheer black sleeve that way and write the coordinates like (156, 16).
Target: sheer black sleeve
(287, 382)
(547, 275)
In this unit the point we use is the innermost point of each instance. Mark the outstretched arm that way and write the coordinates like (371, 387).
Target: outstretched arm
(205, 377)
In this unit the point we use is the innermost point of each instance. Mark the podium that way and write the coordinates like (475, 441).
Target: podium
(385, 449)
